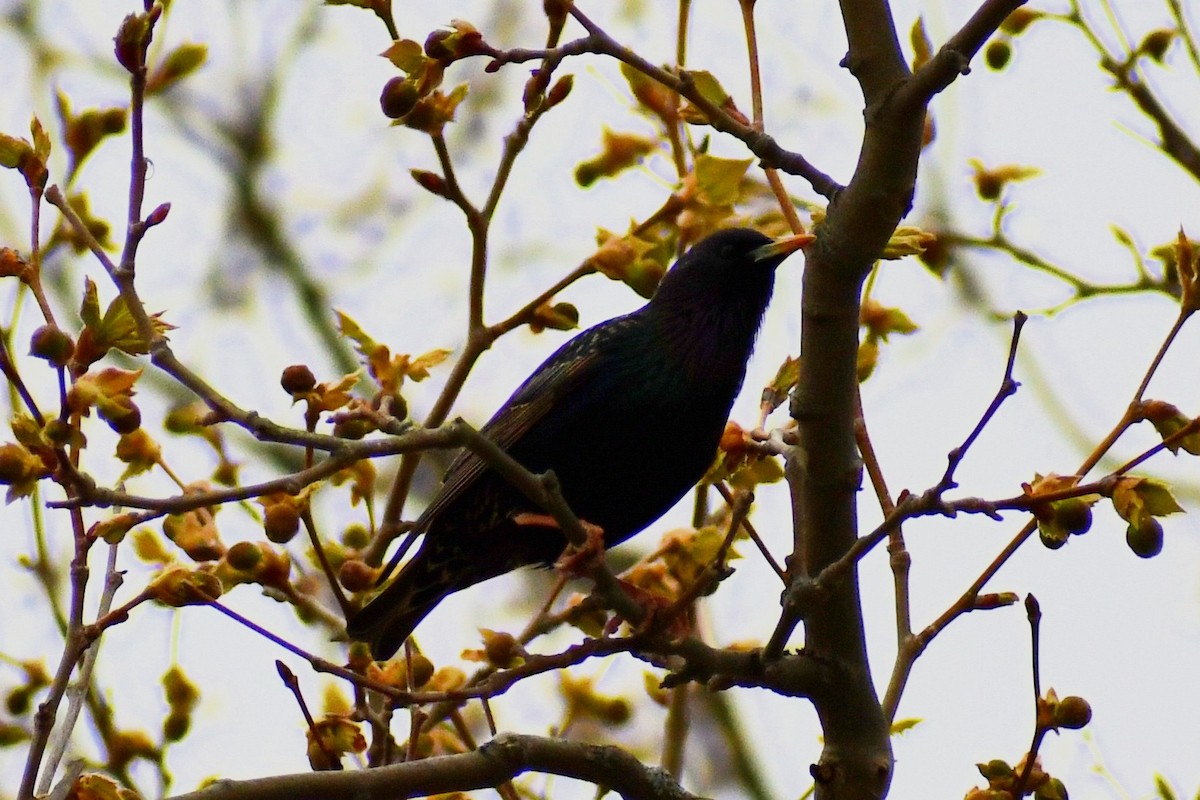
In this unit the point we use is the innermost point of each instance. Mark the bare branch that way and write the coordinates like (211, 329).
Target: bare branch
(497, 761)
(954, 57)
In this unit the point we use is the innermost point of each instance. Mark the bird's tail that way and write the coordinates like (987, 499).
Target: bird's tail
(391, 616)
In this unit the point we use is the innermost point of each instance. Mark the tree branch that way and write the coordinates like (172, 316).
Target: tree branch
(497, 761)
(954, 57)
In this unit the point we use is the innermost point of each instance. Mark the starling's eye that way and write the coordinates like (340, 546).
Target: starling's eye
(726, 251)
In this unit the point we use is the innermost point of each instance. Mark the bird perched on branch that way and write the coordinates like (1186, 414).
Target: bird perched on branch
(628, 415)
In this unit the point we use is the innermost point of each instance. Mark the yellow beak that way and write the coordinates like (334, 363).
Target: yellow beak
(783, 246)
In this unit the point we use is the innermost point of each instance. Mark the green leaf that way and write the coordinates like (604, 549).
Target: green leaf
(708, 86)
(407, 55)
(118, 329)
(1158, 498)
(907, 240)
(754, 472)
(718, 180)
(41, 140)
(13, 150)
(1138, 499)
(90, 310)
(786, 377)
(353, 331)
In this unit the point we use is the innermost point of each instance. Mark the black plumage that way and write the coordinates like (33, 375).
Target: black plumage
(628, 414)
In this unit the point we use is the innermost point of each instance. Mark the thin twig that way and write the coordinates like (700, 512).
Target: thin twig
(78, 692)
(1008, 387)
(966, 600)
(762, 145)
(1034, 613)
(748, 527)
(331, 577)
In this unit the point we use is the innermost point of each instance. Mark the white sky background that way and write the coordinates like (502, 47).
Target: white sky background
(1122, 632)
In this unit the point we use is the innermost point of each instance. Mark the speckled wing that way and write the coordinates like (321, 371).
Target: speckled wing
(570, 367)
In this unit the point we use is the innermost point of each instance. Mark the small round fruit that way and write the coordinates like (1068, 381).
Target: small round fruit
(1146, 541)
(297, 378)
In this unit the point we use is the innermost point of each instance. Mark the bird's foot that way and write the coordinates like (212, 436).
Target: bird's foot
(575, 559)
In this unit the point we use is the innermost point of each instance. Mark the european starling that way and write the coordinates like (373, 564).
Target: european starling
(628, 414)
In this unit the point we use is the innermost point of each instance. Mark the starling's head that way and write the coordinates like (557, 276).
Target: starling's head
(707, 311)
(734, 267)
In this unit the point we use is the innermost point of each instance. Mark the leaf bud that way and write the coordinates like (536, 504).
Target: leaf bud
(297, 379)
(12, 265)
(180, 692)
(123, 418)
(275, 568)
(1168, 420)
(356, 575)
(244, 556)
(556, 11)
(195, 533)
(359, 657)
(60, 432)
(559, 91)
(281, 522)
(1074, 515)
(420, 670)
(1156, 43)
(460, 41)
(176, 725)
(993, 600)
(430, 182)
(49, 342)
(184, 420)
(177, 65)
(356, 536)
(132, 39)
(158, 215)
(399, 96)
(438, 46)
(19, 700)
(1072, 712)
(997, 54)
(179, 586)
(353, 428)
(502, 649)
